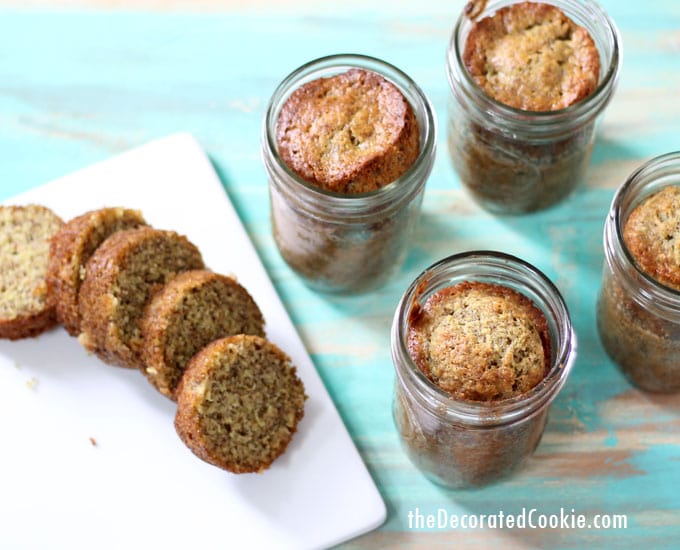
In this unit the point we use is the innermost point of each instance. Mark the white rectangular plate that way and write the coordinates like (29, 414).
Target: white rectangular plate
(90, 458)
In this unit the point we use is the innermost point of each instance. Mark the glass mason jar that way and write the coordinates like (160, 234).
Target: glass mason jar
(638, 318)
(458, 443)
(514, 161)
(345, 242)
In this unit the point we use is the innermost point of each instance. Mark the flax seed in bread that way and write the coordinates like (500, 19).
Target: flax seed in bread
(120, 277)
(70, 249)
(194, 309)
(480, 341)
(531, 56)
(239, 403)
(25, 233)
(350, 133)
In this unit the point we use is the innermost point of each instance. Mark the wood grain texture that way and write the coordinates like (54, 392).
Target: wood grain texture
(88, 79)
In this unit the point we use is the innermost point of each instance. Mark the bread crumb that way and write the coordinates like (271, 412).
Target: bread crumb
(93, 441)
(32, 383)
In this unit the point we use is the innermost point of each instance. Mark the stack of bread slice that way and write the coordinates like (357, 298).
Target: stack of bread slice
(142, 298)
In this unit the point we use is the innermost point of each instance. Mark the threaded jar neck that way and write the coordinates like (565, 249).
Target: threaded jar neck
(327, 205)
(544, 125)
(647, 180)
(496, 268)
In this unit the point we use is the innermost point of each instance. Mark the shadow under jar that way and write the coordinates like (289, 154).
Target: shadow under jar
(462, 443)
(515, 161)
(638, 317)
(341, 242)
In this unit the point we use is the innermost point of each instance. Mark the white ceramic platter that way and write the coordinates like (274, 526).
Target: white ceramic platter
(89, 456)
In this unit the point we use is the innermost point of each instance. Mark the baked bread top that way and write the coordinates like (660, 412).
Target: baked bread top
(25, 233)
(652, 235)
(354, 132)
(480, 342)
(531, 56)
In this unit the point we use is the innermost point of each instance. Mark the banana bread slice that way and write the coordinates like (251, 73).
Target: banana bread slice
(120, 277)
(239, 403)
(70, 249)
(25, 233)
(194, 309)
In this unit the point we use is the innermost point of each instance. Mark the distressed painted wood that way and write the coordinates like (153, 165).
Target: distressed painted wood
(85, 79)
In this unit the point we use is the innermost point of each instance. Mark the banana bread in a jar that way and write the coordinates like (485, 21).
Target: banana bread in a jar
(528, 81)
(638, 310)
(348, 145)
(481, 344)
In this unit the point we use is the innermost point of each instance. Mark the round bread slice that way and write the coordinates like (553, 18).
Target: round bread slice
(120, 277)
(25, 233)
(70, 249)
(239, 403)
(194, 309)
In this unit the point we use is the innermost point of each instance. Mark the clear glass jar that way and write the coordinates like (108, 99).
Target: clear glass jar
(514, 161)
(339, 242)
(459, 443)
(638, 318)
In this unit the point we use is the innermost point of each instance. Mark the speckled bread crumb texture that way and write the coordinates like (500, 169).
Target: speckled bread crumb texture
(121, 276)
(194, 309)
(354, 132)
(480, 341)
(652, 235)
(25, 233)
(531, 56)
(239, 403)
(70, 249)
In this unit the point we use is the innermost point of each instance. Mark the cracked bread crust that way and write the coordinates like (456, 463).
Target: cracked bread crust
(652, 235)
(480, 341)
(195, 308)
(350, 133)
(25, 233)
(70, 249)
(120, 277)
(531, 56)
(239, 403)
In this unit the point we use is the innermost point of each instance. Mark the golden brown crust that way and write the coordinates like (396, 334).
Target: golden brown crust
(25, 232)
(70, 249)
(652, 235)
(480, 341)
(120, 277)
(239, 397)
(531, 56)
(26, 326)
(194, 309)
(350, 133)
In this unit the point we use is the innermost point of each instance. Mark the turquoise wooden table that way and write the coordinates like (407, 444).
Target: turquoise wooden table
(82, 80)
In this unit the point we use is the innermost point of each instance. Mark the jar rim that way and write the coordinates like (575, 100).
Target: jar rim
(487, 413)
(541, 120)
(346, 61)
(633, 184)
